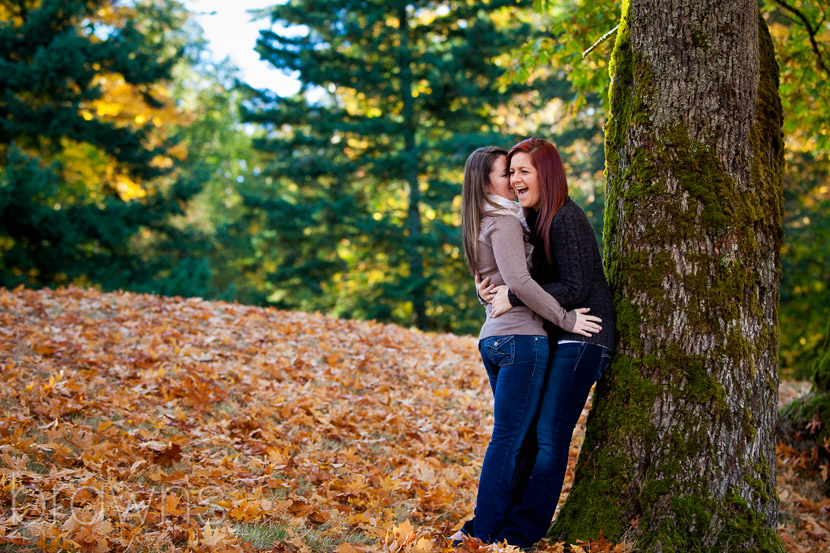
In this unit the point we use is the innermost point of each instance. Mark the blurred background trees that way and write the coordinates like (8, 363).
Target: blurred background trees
(130, 159)
(87, 140)
(114, 132)
(361, 207)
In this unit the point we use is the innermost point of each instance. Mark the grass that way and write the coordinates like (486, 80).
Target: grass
(266, 536)
(263, 536)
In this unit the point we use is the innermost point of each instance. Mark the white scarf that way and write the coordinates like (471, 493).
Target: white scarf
(505, 207)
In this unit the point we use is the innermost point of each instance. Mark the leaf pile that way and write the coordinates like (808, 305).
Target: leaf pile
(804, 511)
(143, 422)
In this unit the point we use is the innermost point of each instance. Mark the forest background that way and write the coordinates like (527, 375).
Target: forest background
(129, 159)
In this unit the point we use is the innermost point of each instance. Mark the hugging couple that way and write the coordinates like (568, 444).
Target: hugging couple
(549, 331)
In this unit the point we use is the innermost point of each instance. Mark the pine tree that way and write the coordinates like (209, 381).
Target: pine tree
(54, 230)
(362, 206)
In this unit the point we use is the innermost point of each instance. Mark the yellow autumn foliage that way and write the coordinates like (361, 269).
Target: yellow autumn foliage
(90, 170)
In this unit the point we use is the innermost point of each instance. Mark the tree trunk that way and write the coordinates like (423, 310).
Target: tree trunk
(413, 212)
(680, 447)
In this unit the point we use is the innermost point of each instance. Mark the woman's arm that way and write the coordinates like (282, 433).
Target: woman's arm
(508, 250)
(571, 241)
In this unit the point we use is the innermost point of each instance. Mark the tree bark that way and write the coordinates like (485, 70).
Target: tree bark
(679, 453)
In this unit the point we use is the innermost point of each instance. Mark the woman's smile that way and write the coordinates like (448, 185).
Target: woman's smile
(525, 181)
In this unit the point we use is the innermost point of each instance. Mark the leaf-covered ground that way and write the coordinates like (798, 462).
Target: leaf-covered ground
(138, 422)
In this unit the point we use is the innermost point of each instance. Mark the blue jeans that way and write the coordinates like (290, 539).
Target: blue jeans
(574, 369)
(516, 368)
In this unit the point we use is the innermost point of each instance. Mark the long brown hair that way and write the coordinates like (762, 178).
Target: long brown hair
(552, 180)
(474, 197)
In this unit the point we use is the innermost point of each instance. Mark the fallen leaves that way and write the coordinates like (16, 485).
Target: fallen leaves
(137, 421)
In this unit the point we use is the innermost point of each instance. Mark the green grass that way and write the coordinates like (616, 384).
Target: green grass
(12, 547)
(265, 536)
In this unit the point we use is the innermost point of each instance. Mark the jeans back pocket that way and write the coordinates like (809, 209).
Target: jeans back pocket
(501, 350)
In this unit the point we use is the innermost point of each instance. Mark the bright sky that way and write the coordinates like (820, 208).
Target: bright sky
(232, 34)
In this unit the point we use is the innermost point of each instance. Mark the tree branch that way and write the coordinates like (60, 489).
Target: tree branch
(602, 39)
(811, 31)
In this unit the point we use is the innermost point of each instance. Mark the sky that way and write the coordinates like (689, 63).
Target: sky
(231, 33)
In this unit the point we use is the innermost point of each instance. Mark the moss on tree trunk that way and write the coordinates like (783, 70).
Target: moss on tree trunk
(680, 445)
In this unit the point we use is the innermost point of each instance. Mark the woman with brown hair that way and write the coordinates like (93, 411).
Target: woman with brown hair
(567, 264)
(514, 347)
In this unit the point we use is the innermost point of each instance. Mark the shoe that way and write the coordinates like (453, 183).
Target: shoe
(457, 538)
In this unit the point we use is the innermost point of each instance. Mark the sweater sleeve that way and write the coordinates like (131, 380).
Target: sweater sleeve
(570, 242)
(510, 259)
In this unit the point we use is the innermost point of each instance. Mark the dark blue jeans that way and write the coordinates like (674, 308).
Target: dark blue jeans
(574, 369)
(516, 366)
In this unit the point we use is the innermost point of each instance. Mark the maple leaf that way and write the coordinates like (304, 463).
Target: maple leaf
(13, 520)
(814, 425)
(422, 546)
(164, 454)
(401, 536)
(171, 505)
(211, 537)
(15, 538)
(192, 538)
(276, 456)
(283, 547)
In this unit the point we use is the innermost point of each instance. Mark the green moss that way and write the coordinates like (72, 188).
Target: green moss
(700, 40)
(636, 393)
(821, 371)
(766, 137)
(628, 322)
(622, 109)
(744, 525)
(747, 424)
(687, 446)
(763, 470)
(690, 508)
(759, 488)
(655, 489)
(688, 515)
(702, 387)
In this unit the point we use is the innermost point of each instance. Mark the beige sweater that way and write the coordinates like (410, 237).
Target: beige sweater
(502, 256)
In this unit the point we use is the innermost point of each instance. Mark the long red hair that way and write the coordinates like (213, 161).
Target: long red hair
(552, 180)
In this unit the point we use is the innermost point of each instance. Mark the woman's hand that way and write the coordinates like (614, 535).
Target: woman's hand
(586, 325)
(486, 291)
(501, 301)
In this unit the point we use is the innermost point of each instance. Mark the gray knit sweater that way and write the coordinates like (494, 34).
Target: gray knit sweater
(501, 256)
(575, 278)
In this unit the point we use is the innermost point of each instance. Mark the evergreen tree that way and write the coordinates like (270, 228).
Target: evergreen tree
(54, 230)
(361, 211)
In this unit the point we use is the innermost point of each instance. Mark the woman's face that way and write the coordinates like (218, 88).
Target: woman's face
(524, 180)
(500, 180)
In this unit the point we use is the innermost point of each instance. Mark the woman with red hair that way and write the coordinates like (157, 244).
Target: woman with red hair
(514, 348)
(568, 266)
